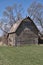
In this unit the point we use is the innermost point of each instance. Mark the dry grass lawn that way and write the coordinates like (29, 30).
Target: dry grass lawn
(25, 55)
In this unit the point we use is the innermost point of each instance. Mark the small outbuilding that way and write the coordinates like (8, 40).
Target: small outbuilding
(23, 32)
(40, 39)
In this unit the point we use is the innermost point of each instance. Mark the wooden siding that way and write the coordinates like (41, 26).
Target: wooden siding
(26, 33)
(11, 40)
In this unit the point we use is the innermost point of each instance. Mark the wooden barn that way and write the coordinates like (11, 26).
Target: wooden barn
(23, 32)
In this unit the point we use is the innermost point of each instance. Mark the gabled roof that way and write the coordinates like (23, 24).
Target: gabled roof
(16, 25)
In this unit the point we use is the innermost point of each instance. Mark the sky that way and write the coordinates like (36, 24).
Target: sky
(25, 5)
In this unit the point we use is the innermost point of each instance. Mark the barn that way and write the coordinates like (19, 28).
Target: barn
(23, 32)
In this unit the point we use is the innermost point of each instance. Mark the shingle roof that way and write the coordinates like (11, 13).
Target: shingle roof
(16, 25)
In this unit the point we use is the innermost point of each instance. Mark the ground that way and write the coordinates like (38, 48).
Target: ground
(25, 55)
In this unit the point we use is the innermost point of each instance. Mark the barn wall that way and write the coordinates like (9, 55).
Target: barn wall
(26, 34)
(11, 39)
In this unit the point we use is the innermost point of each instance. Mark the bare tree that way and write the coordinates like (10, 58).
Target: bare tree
(35, 11)
(4, 38)
(18, 9)
(10, 16)
(13, 13)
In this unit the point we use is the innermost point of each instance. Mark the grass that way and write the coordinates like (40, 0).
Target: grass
(25, 55)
